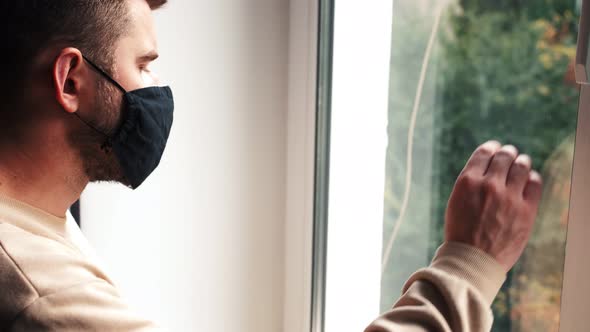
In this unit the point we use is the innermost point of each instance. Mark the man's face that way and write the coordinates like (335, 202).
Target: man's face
(137, 49)
(132, 57)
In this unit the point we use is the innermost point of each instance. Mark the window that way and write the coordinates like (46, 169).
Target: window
(416, 86)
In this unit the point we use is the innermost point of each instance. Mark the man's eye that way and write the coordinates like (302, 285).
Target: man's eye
(149, 78)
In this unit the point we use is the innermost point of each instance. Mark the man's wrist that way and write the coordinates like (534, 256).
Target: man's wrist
(473, 265)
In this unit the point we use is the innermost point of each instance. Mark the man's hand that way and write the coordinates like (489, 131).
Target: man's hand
(495, 202)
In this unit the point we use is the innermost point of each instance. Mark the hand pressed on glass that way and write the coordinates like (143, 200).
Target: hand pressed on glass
(494, 203)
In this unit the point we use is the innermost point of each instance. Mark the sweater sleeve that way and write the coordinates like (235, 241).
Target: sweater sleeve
(93, 306)
(454, 294)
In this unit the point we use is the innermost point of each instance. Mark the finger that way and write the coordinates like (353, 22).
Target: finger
(480, 159)
(501, 162)
(534, 188)
(519, 173)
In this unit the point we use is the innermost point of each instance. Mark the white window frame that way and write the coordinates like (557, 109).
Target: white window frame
(307, 161)
(301, 126)
(575, 297)
(358, 145)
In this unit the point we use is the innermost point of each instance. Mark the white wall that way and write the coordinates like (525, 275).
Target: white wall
(200, 246)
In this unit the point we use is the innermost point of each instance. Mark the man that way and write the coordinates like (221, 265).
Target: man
(80, 105)
(77, 106)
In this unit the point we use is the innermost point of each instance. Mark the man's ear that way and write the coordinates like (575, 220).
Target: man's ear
(69, 75)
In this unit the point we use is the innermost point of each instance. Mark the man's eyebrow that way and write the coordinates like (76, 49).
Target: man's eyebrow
(151, 56)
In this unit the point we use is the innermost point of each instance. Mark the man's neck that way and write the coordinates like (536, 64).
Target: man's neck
(40, 179)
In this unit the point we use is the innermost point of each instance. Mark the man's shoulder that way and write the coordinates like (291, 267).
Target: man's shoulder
(36, 266)
(45, 285)
(17, 291)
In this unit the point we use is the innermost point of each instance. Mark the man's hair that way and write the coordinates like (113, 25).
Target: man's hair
(32, 26)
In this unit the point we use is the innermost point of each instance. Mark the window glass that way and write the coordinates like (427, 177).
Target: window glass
(463, 72)
(496, 69)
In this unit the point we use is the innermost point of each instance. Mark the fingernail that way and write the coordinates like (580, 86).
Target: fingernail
(535, 176)
(524, 159)
(492, 145)
(510, 149)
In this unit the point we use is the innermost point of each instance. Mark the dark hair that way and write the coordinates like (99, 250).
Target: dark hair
(31, 26)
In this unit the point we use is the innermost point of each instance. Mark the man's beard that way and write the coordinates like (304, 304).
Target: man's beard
(98, 160)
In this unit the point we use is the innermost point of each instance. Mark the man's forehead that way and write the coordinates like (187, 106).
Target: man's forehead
(142, 30)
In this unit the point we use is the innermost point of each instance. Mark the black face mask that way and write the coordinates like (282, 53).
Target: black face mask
(140, 141)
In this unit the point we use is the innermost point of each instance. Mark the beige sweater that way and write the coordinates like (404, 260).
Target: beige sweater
(49, 282)
(454, 294)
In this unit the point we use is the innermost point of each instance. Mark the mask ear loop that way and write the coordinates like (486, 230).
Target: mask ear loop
(103, 73)
(108, 144)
